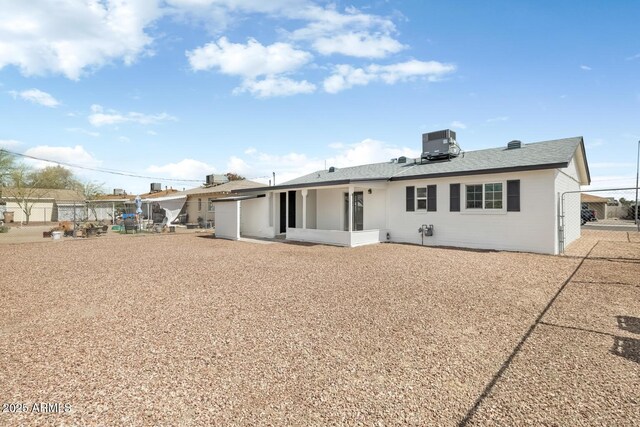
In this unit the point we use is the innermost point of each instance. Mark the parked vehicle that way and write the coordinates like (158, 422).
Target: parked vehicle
(587, 214)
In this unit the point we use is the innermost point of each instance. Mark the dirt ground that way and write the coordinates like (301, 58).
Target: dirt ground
(186, 330)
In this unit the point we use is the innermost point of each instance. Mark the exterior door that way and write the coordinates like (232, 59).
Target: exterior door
(292, 209)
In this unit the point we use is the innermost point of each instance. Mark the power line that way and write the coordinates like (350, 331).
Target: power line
(101, 170)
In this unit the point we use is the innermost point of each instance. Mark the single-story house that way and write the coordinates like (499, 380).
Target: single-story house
(43, 204)
(199, 200)
(505, 198)
(106, 207)
(596, 204)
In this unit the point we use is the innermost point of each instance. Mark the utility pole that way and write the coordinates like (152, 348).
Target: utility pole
(637, 175)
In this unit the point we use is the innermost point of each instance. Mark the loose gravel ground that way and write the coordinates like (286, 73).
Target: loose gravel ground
(185, 330)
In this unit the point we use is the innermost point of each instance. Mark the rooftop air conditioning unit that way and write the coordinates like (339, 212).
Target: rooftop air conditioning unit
(155, 187)
(439, 145)
(402, 159)
(118, 192)
(215, 179)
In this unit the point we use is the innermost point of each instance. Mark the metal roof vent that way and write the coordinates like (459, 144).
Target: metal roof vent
(332, 169)
(514, 144)
(402, 159)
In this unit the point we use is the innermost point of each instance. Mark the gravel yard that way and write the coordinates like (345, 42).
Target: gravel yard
(185, 330)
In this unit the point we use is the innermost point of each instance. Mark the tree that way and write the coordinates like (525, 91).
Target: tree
(24, 189)
(7, 165)
(234, 176)
(90, 190)
(55, 177)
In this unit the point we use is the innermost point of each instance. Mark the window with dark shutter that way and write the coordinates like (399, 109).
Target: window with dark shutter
(513, 196)
(411, 199)
(431, 198)
(454, 197)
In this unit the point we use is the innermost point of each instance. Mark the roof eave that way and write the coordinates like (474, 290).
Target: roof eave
(310, 184)
(483, 171)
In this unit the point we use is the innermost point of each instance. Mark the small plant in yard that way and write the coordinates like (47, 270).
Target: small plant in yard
(4, 229)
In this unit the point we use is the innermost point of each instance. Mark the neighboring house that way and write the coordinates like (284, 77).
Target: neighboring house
(106, 207)
(505, 198)
(596, 204)
(199, 201)
(44, 205)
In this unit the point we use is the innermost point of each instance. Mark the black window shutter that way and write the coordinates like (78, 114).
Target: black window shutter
(454, 197)
(411, 199)
(513, 196)
(431, 198)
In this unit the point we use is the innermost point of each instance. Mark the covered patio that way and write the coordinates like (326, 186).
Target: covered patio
(352, 215)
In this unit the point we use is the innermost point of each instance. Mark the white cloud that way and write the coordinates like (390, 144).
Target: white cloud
(328, 21)
(216, 15)
(152, 132)
(248, 60)
(9, 143)
(633, 57)
(292, 165)
(102, 117)
(70, 37)
(347, 76)
(596, 142)
(36, 96)
(358, 44)
(585, 68)
(84, 132)
(325, 28)
(239, 166)
(458, 125)
(275, 86)
(498, 119)
(72, 155)
(124, 139)
(184, 169)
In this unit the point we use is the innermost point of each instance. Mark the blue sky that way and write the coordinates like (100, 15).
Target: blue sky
(178, 89)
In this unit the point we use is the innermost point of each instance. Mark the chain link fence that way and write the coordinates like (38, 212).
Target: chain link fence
(609, 213)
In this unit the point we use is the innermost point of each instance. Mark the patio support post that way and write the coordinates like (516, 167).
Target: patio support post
(286, 198)
(304, 208)
(350, 209)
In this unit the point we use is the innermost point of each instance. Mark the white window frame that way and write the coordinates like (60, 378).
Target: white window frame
(210, 205)
(483, 210)
(418, 209)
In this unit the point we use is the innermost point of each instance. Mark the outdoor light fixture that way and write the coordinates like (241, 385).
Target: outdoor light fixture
(369, 191)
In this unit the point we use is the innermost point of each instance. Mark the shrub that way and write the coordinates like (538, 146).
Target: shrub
(4, 229)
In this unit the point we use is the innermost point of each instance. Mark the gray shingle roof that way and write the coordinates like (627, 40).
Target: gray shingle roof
(227, 187)
(539, 155)
(59, 195)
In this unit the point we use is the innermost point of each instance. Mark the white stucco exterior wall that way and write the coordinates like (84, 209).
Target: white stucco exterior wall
(254, 218)
(40, 211)
(566, 179)
(375, 209)
(227, 215)
(532, 229)
(330, 208)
